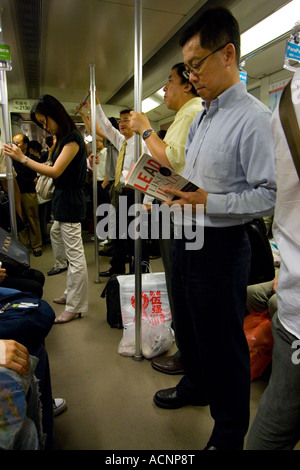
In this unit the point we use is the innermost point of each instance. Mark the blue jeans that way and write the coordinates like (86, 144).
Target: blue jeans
(276, 425)
(209, 291)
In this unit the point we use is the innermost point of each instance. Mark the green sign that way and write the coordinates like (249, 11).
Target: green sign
(4, 52)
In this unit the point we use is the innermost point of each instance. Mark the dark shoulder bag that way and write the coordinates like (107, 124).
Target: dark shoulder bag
(262, 261)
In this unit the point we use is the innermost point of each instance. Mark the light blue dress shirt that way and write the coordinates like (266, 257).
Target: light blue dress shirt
(230, 154)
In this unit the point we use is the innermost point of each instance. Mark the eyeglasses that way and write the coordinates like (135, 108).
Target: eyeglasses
(122, 120)
(195, 69)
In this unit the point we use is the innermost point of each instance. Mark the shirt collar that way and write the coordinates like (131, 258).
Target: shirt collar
(192, 101)
(229, 97)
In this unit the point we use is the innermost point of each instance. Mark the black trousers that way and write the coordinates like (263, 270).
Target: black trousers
(209, 291)
(123, 244)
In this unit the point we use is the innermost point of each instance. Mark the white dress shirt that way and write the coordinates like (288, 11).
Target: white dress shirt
(286, 227)
(117, 139)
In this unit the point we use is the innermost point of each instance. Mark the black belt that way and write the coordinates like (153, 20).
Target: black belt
(127, 190)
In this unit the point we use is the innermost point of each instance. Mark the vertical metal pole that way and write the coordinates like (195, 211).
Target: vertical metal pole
(94, 151)
(9, 172)
(138, 242)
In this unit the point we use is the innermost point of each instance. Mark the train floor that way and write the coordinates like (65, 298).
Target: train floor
(110, 397)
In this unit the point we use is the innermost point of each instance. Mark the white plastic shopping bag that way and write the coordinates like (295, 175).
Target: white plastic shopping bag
(157, 334)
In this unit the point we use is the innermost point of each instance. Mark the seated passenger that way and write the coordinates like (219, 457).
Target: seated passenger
(18, 348)
(262, 297)
(27, 280)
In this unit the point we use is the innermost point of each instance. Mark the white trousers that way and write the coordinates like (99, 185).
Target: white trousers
(58, 247)
(76, 292)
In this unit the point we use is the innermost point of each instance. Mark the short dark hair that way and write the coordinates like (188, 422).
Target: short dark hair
(35, 145)
(216, 27)
(49, 140)
(125, 111)
(25, 139)
(180, 68)
(113, 122)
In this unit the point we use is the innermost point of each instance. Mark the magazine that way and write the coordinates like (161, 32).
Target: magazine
(150, 176)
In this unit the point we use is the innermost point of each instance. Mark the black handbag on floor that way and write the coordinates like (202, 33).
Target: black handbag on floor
(262, 261)
(112, 294)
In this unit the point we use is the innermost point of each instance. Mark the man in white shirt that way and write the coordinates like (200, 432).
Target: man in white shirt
(123, 245)
(277, 422)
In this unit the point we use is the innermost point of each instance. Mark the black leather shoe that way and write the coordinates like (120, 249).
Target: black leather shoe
(167, 365)
(54, 271)
(169, 399)
(37, 252)
(109, 273)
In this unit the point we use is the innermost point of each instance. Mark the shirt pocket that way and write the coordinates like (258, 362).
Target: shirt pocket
(218, 161)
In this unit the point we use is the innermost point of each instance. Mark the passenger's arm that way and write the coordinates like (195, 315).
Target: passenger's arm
(140, 123)
(113, 135)
(2, 274)
(85, 119)
(193, 198)
(63, 160)
(87, 122)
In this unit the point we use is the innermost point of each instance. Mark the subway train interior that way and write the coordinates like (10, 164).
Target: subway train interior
(66, 48)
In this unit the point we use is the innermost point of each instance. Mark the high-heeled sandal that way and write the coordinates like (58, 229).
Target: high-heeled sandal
(60, 300)
(66, 317)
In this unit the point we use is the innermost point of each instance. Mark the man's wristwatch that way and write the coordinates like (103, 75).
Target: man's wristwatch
(146, 133)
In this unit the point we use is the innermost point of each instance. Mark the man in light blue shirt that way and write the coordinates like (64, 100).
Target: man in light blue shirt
(239, 173)
(230, 157)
